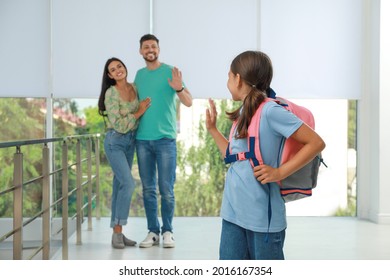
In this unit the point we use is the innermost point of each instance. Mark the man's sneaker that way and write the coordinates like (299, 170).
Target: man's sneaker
(150, 240)
(168, 240)
(128, 242)
(117, 241)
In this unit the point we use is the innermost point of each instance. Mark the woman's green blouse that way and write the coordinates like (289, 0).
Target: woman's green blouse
(120, 113)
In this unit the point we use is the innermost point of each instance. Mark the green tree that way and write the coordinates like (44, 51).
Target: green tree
(350, 210)
(21, 119)
(352, 124)
(95, 122)
(201, 175)
(24, 119)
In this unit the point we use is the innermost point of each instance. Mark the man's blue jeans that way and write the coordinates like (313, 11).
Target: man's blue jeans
(119, 149)
(158, 156)
(238, 243)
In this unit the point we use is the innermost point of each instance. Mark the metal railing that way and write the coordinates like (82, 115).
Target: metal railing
(78, 155)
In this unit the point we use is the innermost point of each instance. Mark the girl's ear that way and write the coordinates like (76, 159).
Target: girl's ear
(238, 81)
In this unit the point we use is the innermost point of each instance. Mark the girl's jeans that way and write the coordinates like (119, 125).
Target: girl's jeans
(238, 243)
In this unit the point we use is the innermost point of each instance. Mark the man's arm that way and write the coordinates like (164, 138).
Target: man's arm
(177, 84)
(185, 97)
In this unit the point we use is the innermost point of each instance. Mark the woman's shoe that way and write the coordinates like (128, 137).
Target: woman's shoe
(128, 242)
(117, 241)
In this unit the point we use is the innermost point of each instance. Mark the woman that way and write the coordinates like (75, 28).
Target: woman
(121, 110)
(247, 232)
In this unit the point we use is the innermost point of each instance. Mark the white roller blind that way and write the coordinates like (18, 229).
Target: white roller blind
(201, 37)
(24, 48)
(88, 32)
(315, 46)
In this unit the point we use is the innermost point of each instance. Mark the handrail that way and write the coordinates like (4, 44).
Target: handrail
(46, 178)
(20, 143)
(29, 142)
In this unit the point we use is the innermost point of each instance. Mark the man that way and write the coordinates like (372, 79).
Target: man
(156, 139)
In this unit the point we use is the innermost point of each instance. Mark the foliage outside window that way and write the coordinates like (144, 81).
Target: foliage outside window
(200, 168)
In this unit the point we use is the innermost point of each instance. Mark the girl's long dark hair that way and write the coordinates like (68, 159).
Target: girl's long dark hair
(255, 69)
(106, 83)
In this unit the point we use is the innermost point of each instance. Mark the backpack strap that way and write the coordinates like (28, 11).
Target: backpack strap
(253, 154)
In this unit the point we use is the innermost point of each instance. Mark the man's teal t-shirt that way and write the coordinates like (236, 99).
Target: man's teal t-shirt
(159, 120)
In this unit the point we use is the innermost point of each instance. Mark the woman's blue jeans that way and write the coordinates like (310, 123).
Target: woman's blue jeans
(119, 149)
(238, 243)
(157, 161)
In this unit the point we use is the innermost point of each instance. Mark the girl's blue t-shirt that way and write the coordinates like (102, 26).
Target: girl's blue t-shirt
(245, 200)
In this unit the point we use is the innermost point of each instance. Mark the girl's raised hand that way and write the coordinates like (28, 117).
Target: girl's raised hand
(211, 115)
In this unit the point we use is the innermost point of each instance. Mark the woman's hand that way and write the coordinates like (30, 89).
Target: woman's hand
(143, 106)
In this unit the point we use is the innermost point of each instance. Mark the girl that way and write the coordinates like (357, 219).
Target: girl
(247, 232)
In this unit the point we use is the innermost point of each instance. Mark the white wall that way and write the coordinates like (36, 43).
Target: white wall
(383, 214)
(373, 133)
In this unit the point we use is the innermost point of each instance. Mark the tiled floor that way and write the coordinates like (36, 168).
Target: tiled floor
(308, 238)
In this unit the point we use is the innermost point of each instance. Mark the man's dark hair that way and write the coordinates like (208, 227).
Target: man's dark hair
(147, 37)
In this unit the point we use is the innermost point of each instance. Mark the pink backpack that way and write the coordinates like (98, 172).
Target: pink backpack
(299, 184)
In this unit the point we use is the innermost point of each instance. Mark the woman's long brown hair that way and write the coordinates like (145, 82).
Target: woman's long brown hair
(106, 83)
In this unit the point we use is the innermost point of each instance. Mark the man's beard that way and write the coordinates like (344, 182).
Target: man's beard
(155, 57)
